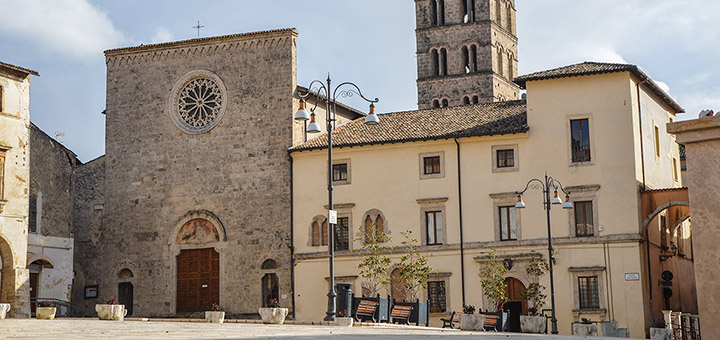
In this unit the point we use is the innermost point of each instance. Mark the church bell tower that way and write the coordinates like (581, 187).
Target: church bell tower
(466, 52)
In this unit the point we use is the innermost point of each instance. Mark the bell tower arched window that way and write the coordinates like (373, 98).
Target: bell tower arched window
(443, 61)
(435, 62)
(500, 58)
(466, 59)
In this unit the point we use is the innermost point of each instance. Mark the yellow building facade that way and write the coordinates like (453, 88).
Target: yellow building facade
(450, 175)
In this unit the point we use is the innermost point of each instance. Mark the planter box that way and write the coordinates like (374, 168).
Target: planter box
(344, 322)
(45, 313)
(215, 316)
(111, 312)
(582, 329)
(532, 323)
(273, 315)
(661, 334)
(472, 322)
(4, 309)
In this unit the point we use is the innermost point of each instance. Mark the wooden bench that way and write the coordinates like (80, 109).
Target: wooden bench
(452, 321)
(366, 310)
(491, 322)
(401, 313)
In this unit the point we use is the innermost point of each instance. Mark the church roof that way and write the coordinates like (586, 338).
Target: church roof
(26, 71)
(431, 124)
(590, 68)
(199, 40)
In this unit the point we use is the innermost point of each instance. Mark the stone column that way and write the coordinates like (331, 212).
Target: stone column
(702, 146)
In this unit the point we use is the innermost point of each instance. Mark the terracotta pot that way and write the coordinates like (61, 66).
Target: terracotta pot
(111, 312)
(273, 315)
(214, 316)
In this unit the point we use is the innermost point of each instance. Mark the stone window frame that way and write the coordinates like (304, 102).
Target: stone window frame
(429, 205)
(591, 129)
(443, 277)
(516, 158)
(505, 199)
(373, 214)
(577, 272)
(657, 148)
(343, 210)
(583, 193)
(320, 220)
(349, 171)
(421, 158)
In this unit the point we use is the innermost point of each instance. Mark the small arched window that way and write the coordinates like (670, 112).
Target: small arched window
(433, 12)
(476, 100)
(473, 58)
(466, 59)
(466, 100)
(435, 62)
(510, 66)
(500, 57)
(443, 61)
(368, 229)
(269, 264)
(444, 102)
(509, 17)
(441, 12)
(435, 104)
(315, 234)
(498, 12)
(374, 226)
(325, 232)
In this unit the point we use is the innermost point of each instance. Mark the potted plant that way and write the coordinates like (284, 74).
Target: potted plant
(111, 310)
(533, 294)
(45, 310)
(492, 280)
(216, 315)
(414, 273)
(342, 319)
(273, 313)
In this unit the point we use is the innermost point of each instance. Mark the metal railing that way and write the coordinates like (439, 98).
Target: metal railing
(64, 308)
(685, 326)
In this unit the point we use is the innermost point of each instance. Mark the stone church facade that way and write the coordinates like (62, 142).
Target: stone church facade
(190, 206)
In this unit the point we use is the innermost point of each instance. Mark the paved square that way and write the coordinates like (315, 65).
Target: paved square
(96, 329)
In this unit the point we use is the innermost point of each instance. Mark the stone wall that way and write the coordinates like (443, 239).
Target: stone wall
(702, 146)
(157, 174)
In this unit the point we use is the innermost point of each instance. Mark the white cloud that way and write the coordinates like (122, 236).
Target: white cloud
(663, 85)
(161, 35)
(697, 78)
(71, 27)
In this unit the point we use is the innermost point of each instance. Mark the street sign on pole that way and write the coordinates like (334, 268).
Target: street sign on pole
(332, 216)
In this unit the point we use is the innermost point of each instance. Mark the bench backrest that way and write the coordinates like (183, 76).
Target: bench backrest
(366, 307)
(491, 320)
(401, 311)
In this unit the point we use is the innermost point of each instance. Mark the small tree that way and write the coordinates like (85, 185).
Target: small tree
(414, 268)
(375, 264)
(492, 280)
(536, 269)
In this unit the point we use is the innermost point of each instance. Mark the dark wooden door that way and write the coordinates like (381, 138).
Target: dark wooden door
(125, 296)
(33, 290)
(515, 304)
(198, 280)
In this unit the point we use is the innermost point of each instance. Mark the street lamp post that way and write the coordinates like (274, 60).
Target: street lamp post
(545, 186)
(322, 92)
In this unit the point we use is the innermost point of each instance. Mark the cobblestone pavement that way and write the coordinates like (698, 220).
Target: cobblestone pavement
(95, 329)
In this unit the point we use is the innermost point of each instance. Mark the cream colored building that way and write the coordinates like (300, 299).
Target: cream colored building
(461, 166)
(14, 186)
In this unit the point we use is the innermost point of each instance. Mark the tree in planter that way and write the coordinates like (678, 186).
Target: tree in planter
(492, 280)
(375, 263)
(414, 268)
(536, 269)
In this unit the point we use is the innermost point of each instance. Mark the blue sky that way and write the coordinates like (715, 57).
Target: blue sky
(369, 42)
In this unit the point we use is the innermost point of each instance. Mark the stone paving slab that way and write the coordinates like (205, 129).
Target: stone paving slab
(74, 328)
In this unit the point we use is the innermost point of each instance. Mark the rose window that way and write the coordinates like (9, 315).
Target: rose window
(198, 102)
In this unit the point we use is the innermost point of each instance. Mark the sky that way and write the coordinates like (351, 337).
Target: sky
(368, 42)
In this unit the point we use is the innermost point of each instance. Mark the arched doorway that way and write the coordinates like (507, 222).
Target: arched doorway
(198, 269)
(515, 305)
(270, 288)
(126, 290)
(397, 285)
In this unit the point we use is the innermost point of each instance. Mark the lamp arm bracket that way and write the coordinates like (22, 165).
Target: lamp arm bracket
(538, 185)
(557, 184)
(320, 93)
(351, 92)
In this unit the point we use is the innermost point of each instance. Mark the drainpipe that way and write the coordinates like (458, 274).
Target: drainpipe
(292, 245)
(462, 245)
(647, 234)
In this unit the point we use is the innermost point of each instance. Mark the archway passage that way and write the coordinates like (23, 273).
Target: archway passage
(198, 279)
(515, 305)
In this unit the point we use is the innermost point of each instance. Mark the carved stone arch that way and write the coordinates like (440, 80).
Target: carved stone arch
(658, 210)
(125, 274)
(42, 259)
(374, 214)
(269, 264)
(321, 221)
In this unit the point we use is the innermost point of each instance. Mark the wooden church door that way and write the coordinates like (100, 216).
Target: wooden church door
(198, 280)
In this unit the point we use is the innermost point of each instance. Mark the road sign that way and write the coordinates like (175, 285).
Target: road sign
(332, 216)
